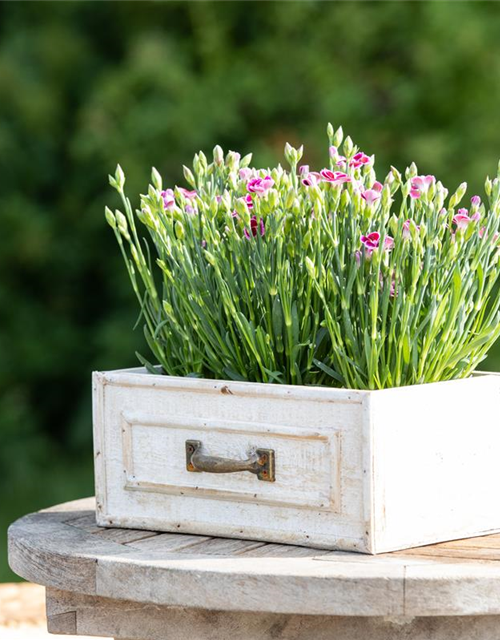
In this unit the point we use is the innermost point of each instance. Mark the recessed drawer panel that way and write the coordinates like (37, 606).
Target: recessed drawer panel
(307, 473)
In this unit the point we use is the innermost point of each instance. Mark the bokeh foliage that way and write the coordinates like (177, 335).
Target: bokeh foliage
(86, 85)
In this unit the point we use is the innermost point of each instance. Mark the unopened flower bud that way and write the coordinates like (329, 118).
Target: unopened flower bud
(338, 137)
(458, 195)
(188, 176)
(348, 146)
(246, 160)
(156, 179)
(233, 160)
(110, 218)
(122, 223)
(179, 231)
(290, 196)
(311, 270)
(218, 155)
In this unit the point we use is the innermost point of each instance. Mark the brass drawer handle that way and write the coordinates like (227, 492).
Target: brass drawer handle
(261, 462)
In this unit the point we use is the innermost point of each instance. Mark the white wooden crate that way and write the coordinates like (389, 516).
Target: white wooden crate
(370, 471)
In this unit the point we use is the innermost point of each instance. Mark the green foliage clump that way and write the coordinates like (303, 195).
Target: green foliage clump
(307, 277)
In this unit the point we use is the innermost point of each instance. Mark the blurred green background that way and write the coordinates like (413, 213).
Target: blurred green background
(86, 85)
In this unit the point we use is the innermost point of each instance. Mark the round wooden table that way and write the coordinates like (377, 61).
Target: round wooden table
(143, 585)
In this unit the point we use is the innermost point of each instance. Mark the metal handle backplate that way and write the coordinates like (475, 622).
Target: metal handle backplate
(260, 463)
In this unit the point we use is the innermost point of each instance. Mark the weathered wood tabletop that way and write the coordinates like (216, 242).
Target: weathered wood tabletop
(138, 584)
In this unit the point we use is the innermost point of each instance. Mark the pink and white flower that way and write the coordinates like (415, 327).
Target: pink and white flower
(190, 195)
(372, 240)
(260, 185)
(311, 179)
(420, 185)
(370, 195)
(407, 227)
(168, 198)
(359, 159)
(245, 173)
(462, 219)
(335, 177)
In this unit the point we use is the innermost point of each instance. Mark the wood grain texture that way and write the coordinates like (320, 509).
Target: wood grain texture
(133, 621)
(63, 550)
(369, 471)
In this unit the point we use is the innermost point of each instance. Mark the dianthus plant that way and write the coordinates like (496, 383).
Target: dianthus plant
(327, 277)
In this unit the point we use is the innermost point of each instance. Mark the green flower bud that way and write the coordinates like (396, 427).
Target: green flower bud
(156, 179)
(110, 218)
(345, 199)
(273, 198)
(135, 255)
(338, 137)
(386, 196)
(218, 155)
(458, 195)
(246, 160)
(202, 161)
(348, 147)
(330, 132)
(488, 186)
(179, 230)
(233, 160)
(119, 178)
(311, 269)
(290, 196)
(122, 224)
(210, 258)
(188, 176)
(411, 171)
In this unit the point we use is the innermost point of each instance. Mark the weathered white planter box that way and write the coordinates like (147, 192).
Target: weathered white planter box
(370, 471)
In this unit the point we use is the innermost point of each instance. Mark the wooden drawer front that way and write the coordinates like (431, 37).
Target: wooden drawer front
(307, 460)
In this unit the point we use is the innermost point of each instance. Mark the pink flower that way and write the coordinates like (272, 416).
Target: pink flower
(190, 195)
(422, 183)
(359, 159)
(303, 170)
(311, 179)
(168, 198)
(370, 195)
(371, 242)
(254, 228)
(475, 201)
(482, 232)
(248, 200)
(245, 173)
(406, 229)
(377, 186)
(260, 185)
(335, 177)
(338, 160)
(462, 219)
